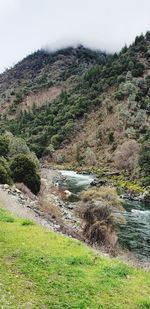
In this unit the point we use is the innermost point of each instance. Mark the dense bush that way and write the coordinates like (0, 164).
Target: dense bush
(119, 95)
(23, 169)
(144, 162)
(17, 145)
(4, 171)
(4, 146)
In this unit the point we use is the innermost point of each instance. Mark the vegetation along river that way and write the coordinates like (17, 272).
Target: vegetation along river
(134, 235)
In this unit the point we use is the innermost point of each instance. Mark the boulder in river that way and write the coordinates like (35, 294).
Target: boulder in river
(67, 193)
(98, 182)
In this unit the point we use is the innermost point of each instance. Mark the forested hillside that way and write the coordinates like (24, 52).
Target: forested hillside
(82, 106)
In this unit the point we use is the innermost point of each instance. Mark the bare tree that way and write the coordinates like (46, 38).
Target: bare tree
(126, 155)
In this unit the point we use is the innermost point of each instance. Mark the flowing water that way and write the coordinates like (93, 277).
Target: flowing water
(135, 233)
(75, 182)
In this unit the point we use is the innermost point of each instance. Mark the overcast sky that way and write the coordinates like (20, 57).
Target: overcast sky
(28, 25)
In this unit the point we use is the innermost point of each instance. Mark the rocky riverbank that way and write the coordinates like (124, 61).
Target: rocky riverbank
(50, 208)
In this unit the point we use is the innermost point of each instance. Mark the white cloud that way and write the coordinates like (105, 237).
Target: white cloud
(26, 25)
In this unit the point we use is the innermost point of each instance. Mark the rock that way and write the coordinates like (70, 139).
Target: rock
(5, 186)
(67, 193)
(17, 191)
(98, 182)
(56, 226)
(83, 173)
(69, 206)
(142, 197)
(60, 204)
(146, 196)
(23, 197)
(67, 216)
(9, 191)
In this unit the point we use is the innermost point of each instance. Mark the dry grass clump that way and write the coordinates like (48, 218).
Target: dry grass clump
(24, 189)
(47, 203)
(104, 194)
(100, 225)
(51, 209)
(97, 211)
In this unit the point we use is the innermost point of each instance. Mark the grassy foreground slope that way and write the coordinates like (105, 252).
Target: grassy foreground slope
(42, 269)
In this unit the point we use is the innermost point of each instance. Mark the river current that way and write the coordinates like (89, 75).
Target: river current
(134, 234)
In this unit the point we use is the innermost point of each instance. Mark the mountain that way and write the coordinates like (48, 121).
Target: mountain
(43, 72)
(37, 81)
(81, 106)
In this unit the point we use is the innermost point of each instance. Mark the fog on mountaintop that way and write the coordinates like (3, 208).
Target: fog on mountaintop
(62, 44)
(26, 26)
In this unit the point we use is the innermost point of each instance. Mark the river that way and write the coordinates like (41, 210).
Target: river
(134, 235)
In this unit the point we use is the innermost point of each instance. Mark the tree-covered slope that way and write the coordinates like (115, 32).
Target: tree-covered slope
(103, 101)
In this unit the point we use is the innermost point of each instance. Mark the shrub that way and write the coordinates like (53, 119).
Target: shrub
(127, 88)
(111, 137)
(4, 171)
(4, 146)
(105, 194)
(34, 159)
(60, 158)
(77, 153)
(140, 118)
(99, 225)
(145, 181)
(124, 116)
(17, 145)
(144, 162)
(96, 209)
(129, 76)
(90, 158)
(131, 133)
(33, 182)
(27, 222)
(126, 156)
(119, 95)
(49, 151)
(108, 105)
(23, 169)
(56, 140)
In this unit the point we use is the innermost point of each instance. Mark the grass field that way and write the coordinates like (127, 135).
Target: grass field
(41, 269)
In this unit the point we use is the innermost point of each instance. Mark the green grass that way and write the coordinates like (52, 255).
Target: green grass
(41, 269)
(5, 216)
(27, 222)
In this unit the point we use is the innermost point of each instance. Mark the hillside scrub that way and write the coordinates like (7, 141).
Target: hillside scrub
(108, 93)
(44, 269)
(56, 121)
